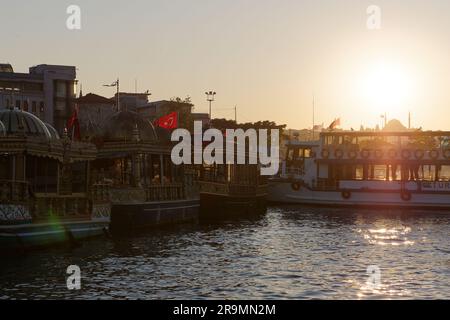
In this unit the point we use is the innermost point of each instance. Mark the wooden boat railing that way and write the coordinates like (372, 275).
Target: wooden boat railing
(233, 189)
(166, 192)
(14, 191)
(156, 192)
(44, 205)
(100, 192)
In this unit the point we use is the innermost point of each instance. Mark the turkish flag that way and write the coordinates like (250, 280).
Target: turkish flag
(73, 125)
(168, 122)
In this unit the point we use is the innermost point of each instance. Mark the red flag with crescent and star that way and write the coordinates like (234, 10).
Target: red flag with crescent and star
(169, 121)
(73, 125)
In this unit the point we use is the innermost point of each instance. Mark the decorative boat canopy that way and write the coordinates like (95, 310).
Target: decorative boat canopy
(2, 129)
(22, 132)
(126, 133)
(20, 122)
(128, 126)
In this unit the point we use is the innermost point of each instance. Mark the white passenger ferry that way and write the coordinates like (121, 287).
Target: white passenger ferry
(367, 168)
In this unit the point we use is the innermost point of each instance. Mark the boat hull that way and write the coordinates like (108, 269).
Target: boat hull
(39, 235)
(283, 192)
(220, 206)
(132, 216)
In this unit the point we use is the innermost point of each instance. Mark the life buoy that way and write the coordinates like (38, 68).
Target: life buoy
(325, 154)
(406, 195)
(392, 153)
(419, 153)
(365, 153)
(447, 154)
(296, 186)
(378, 154)
(434, 154)
(352, 154)
(346, 194)
(406, 154)
(338, 153)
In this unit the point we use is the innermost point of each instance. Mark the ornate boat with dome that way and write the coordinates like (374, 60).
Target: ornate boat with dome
(367, 168)
(45, 196)
(134, 166)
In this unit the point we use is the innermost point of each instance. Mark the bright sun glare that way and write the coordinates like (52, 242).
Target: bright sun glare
(387, 88)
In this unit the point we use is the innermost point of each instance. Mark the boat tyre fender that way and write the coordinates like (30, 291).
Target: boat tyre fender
(378, 154)
(296, 186)
(392, 153)
(406, 195)
(339, 153)
(365, 153)
(406, 154)
(434, 154)
(352, 154)
(346, 194)
(447, 154)
(418, 154)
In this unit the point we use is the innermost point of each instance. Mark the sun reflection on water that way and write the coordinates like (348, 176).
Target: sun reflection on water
(396, 236)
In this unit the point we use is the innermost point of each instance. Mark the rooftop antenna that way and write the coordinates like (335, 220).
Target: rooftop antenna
(115, 84)
(409, 120)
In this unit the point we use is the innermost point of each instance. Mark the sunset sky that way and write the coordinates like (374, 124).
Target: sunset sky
(267, 57)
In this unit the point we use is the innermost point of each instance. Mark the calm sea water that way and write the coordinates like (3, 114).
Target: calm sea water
(289, 253)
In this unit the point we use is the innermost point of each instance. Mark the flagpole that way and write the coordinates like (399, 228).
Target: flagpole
(118, 94)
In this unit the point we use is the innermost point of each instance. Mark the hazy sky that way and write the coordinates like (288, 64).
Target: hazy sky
(267, 57)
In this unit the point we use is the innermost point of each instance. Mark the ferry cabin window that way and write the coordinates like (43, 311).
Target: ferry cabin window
(79, 177)
(42, 174)
(5, 165)
(298, 154)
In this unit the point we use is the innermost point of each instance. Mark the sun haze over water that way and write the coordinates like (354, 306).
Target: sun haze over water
(268, 57)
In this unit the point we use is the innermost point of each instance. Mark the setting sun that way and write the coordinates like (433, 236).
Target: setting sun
(387, 87)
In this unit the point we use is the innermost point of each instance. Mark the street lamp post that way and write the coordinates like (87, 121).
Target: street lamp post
(210, 98)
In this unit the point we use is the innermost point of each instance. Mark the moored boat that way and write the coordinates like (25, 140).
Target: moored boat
(145, 187)
(367, 168)
(45, 197)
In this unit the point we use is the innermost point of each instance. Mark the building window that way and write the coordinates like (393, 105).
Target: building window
(25, 105)
(7, 103)
(17, 104)
(41, 106)
(33, 106)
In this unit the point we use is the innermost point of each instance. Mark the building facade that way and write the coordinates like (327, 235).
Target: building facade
(47, 91)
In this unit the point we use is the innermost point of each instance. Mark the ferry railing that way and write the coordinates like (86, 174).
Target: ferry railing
(166, 192)
(13, 191)
(235, 189)
(100, 192)
(44, 206)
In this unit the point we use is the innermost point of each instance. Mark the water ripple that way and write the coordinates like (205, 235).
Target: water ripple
(290, 253)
